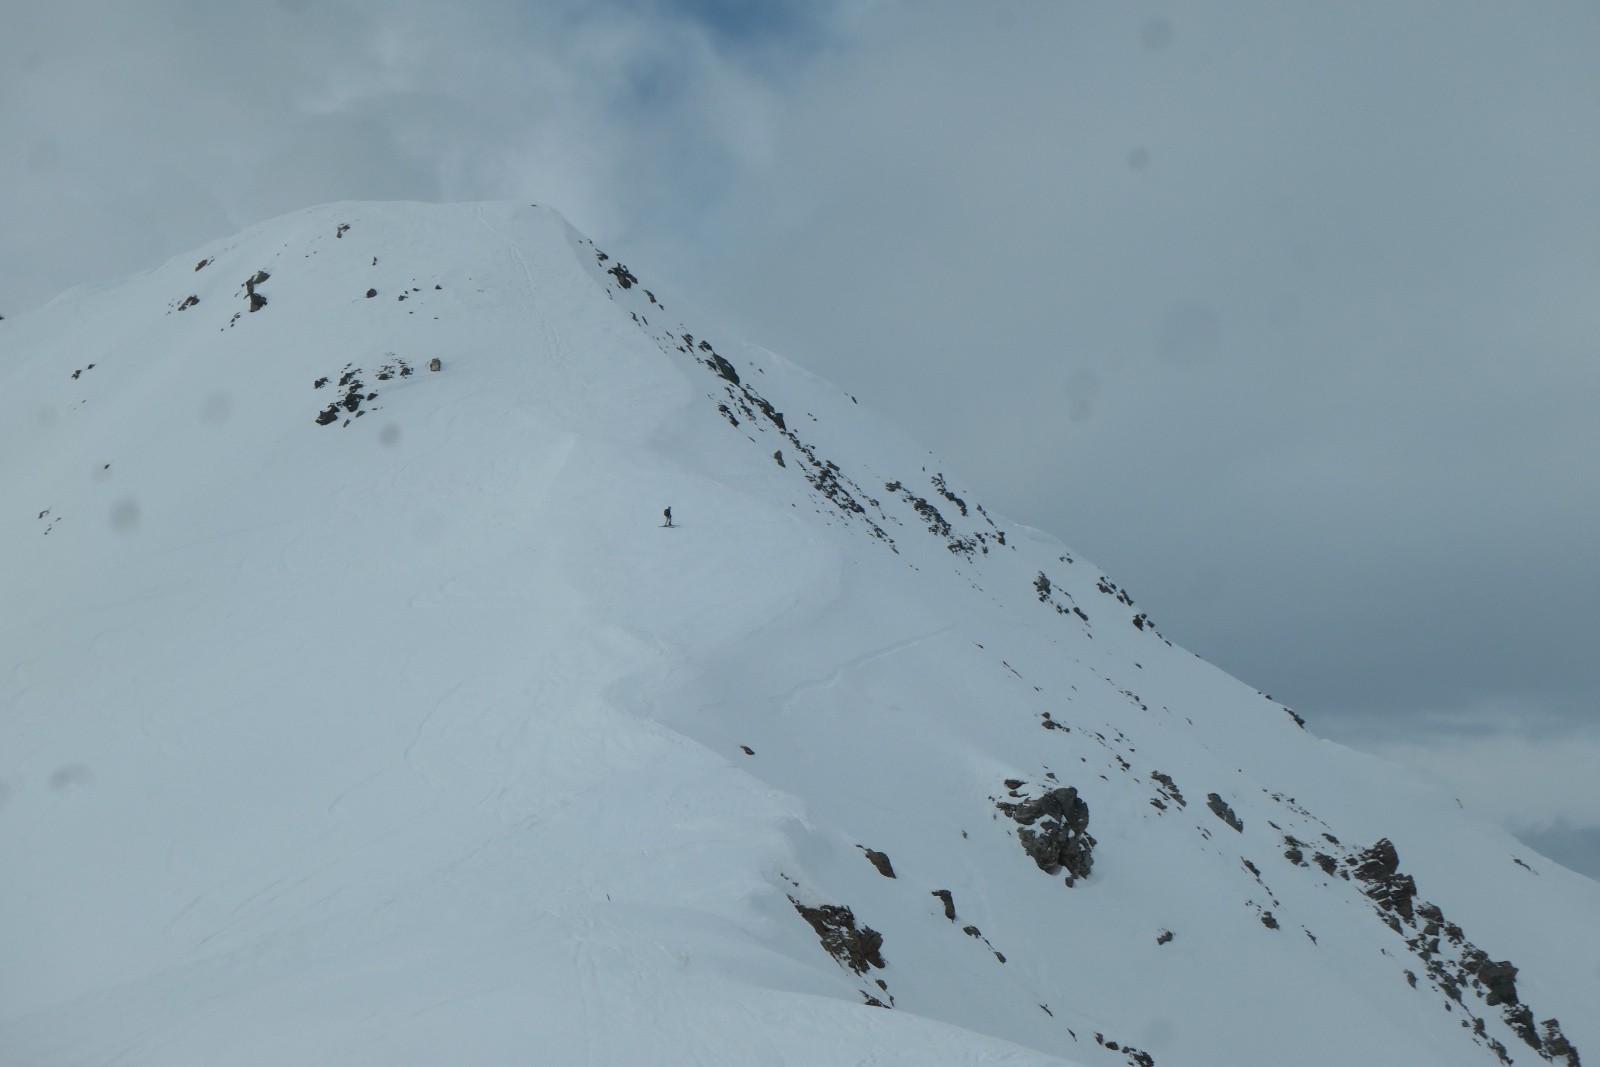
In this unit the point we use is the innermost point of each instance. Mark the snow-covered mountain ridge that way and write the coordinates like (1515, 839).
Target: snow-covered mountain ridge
(357, 712)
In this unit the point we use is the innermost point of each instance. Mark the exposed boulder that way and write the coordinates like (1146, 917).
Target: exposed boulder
(878, 860)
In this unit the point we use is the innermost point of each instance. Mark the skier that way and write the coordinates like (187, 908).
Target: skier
(668, 514)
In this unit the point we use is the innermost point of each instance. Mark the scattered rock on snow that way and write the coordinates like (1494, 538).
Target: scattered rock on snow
(1169, 788)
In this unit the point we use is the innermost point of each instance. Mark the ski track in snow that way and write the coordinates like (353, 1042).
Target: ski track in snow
(836, 676)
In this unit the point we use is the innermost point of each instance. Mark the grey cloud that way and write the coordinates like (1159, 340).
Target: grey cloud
(1156, 33)
(153, 130)
(1188, 332)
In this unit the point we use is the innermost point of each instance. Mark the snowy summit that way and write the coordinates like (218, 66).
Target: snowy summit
(359, 706)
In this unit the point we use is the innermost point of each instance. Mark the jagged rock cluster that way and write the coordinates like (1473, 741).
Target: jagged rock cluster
(940, 527)
(1455, 965)
(859, 949)
(1053, 829)
(1221, 810)
(355, 392)
(835, 924)
(740, 398)
(1168, 790)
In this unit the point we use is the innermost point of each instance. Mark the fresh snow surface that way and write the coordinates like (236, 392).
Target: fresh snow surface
(409, 736)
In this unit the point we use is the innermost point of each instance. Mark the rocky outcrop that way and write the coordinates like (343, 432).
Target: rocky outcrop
(1379, 867)
(724, 368)
(1220, 809)
(878, 860)
(1555, 1044)
(624, 276)
(835, 924)
(1054, 831)
(1168, 788)
(257, 301)
(1499, 977)
(1453, 964)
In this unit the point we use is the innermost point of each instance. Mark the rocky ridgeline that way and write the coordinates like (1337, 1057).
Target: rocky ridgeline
(1452, 963)
(744, 407)
(741, 399)
(939, 526)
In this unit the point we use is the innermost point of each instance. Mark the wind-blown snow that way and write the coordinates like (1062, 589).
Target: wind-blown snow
(381, 721)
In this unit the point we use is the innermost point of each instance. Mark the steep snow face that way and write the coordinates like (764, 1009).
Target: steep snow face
(357, 712)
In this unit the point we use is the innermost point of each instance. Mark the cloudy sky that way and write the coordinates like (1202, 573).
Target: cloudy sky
(1287, 315)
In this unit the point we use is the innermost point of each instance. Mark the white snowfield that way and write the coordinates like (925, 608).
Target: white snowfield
(357, 713)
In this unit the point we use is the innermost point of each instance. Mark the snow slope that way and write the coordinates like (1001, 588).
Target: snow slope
(356, 713)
